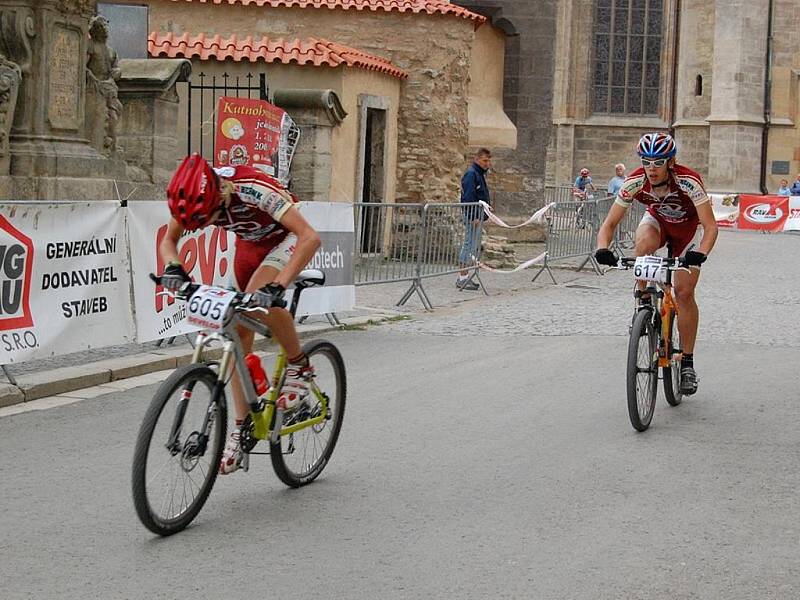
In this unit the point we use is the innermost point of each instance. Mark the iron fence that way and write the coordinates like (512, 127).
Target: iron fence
(202, 104)
(412, 242)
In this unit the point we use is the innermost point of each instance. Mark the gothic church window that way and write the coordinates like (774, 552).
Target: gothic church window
(627, 56)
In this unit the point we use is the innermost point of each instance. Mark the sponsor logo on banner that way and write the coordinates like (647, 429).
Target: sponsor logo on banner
(765, 213)
(203, 257)
(793, 221)
(64, 288)
(208, 256)
(16, 263)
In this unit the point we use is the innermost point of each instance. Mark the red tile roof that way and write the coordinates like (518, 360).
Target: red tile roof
(417, 6)
(303, 52)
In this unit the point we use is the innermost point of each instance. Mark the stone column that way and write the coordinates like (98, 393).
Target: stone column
(737, 102)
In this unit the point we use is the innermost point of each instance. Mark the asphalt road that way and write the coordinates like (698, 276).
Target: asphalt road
(486, 453)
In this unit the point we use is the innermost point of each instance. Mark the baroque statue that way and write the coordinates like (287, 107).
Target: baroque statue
(103, 72)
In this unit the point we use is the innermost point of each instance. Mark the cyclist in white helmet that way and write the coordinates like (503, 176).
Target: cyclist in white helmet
(679, 216)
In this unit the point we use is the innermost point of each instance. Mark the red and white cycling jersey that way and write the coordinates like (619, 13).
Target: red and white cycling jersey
(256, 207)
(254, 214)
(676, 212)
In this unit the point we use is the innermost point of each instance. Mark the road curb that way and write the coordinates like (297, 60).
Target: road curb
(33, 386)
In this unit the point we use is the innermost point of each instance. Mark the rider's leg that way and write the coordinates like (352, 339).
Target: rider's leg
(685, 284)
(280, 323)
(648, 240)
(688, 314)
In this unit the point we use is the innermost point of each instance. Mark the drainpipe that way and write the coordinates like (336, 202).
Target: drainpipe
(767, 103)
(674, 91)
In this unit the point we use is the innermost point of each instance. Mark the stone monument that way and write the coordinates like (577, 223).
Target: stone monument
(60, 107)
(102, 74)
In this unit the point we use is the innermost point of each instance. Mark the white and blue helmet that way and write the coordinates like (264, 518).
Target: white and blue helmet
(657, 145)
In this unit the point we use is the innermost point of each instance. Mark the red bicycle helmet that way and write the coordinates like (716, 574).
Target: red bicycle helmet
(193, 193)
(584, 172)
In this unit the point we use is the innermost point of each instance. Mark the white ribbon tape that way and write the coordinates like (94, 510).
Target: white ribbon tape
(525, 265)
(537, 217)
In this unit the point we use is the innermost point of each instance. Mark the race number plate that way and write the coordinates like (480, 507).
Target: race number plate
(208, 307)
(650, 268)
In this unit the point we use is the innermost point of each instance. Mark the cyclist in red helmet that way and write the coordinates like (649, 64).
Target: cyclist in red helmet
(274, 243)
(583, 185)
(679, 216)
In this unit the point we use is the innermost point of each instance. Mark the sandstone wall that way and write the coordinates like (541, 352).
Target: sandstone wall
(784, 135)
(518, 177)
(434, 49)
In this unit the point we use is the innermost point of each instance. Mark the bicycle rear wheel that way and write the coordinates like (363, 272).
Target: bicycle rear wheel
(299, 457)
(642, 377)
(672, 373)
(178, 449)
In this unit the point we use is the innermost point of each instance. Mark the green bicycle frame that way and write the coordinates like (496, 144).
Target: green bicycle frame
(261, 413)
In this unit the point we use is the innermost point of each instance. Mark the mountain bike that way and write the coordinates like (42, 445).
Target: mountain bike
(581, 196)
(182, 436)
(654, 339)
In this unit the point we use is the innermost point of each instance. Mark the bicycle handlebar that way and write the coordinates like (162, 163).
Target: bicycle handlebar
(673, 263)
(242, 300)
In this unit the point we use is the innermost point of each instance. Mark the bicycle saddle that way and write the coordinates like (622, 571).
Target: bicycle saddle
(309, 278)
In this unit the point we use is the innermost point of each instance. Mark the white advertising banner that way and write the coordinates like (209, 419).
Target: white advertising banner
(726, 209)
(208, 256)
(65, 279)
(793, 221)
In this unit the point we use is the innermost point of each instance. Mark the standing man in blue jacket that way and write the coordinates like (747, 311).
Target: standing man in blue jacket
(473, 189)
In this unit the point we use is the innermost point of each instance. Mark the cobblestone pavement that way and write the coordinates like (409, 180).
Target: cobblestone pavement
(747, 294)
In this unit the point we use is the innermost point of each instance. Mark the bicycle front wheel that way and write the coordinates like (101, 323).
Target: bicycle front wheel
(642, 380)
(178, 449)
(672, 373)
(299, 457)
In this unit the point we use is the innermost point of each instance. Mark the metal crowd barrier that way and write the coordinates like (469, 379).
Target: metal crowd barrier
(557, 193)
(572, 232)
(625, 236)
(412, 242)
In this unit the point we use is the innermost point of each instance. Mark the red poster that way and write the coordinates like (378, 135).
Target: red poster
(763, 213)
(248, 133)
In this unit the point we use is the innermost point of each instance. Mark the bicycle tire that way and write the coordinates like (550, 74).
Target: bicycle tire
(182, 456)
(642, 390)
(284, 449)
(672, 373)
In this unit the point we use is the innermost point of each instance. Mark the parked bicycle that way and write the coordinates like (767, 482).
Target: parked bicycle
(183, 433)
(654, 338)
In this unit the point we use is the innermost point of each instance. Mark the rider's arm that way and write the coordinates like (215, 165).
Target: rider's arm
(168, 248)
(308, 243)
(710, 229)
(606, 232)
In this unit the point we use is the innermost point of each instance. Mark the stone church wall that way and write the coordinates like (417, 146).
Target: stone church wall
(433, 126)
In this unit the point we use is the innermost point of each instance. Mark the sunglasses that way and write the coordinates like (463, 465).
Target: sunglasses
(660, 162)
